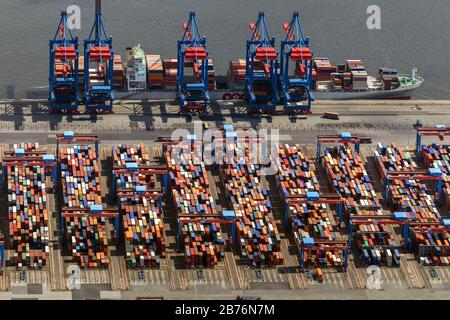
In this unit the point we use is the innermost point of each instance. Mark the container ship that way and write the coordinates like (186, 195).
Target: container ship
(290, 76)
(333, 83)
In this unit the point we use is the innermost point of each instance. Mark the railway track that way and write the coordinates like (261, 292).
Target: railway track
(354, 279)
(295, 278)
(95, 276)
(150, 276)
(178, 277)
(172, 283)
(125, 276)
(56, 264)
(235, 275)
(30, 277)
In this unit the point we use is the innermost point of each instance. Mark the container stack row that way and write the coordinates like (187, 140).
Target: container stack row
(155, 72)
(28, 214)
(438, 156)
(211, 75)
(358, 73)
(432, 247)
(389, 77)
(170, 73)
(407, 195)
(63, 69)
(349, 178)
(261, 71)
(417, 200)
(196, 72)
(257, 233)
(81, 73)
(202, 242)
(97, 75)
(377, 246)
(85, 234)
(296, 177)
(118, 73)
(236, 74)
(324, 69)
(141, 215)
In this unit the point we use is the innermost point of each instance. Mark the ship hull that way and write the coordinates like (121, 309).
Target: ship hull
(161, 95)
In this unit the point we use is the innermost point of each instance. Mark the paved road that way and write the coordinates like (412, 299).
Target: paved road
(133, 121)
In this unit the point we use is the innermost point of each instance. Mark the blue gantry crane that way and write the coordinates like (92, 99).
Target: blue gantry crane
(133, 169)
(63, 75)
(21, 158)
(261, 69)
(193, 94)
(69, 137)
(432, 174)
(313, 197)
(439, 130)
(344, 138)
(398, 218)
(94, 210)
(98, 55)
(297, 89)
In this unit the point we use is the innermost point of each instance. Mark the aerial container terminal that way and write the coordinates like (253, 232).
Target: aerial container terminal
(131, 214)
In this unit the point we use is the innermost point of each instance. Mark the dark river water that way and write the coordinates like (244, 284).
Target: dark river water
(413, 33)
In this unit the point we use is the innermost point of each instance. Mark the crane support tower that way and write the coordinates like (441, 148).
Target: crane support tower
(63, 76)
(261, 69)
(98, 67)
(297, 90)
(193, 93)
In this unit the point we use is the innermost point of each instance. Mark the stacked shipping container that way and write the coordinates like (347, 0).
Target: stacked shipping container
(236, 74)
(349, 178)
(142, 218)
(202, 243)
(414, 197)
(85, 235)
(155, 72)
(296, 177)
(261, 88)
(324, 69)
(170, 73)
(358, 74)
(409, 195)
(211, 76)
(259, 238)
(432, 247)
(27, 212)
(438, 156)
(389, 77)
(118, 73)
(97, 75)
(193, 72)
(81, 72)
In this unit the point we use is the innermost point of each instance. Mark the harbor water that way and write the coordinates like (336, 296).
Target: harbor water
(414, 33)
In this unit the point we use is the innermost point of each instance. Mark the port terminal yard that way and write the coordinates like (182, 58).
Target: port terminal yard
(136, 122)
